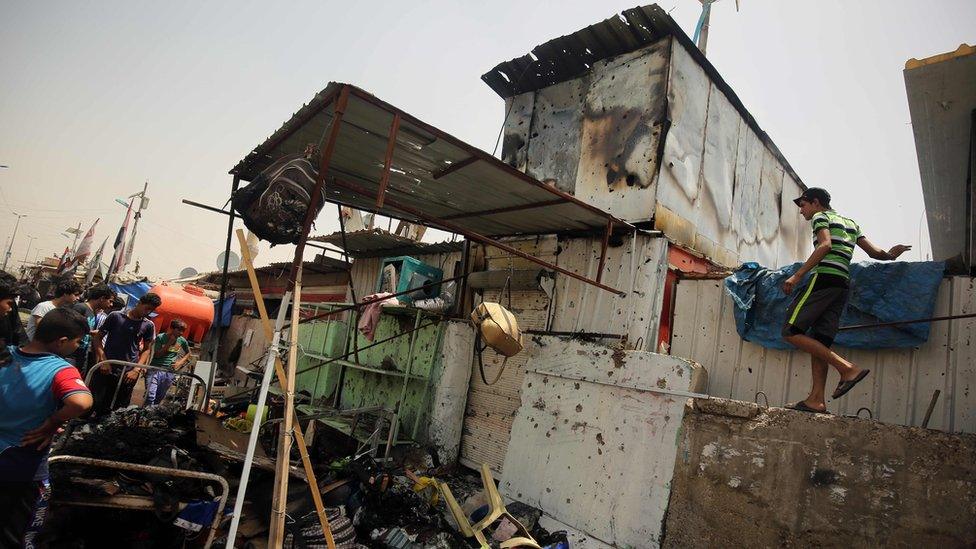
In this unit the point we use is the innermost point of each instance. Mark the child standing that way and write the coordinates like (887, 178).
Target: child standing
(39, 392)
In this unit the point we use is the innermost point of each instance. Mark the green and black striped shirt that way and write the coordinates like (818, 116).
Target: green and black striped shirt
(844, 233)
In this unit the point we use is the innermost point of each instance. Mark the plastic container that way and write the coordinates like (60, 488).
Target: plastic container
(187, 303)
(412, 273)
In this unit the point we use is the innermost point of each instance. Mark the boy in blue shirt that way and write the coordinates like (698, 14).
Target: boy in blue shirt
(39, 392)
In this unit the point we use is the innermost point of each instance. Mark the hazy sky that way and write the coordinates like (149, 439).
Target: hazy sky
(98, 97)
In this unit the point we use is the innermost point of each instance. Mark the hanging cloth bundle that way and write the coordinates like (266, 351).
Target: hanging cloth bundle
(499, 329)
(274, 205)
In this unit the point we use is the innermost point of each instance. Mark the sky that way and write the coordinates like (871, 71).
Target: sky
(100, 97)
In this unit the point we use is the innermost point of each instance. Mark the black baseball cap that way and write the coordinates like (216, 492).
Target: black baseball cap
(814, 193)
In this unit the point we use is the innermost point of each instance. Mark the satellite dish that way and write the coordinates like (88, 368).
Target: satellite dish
(187, 272)
(232, 265)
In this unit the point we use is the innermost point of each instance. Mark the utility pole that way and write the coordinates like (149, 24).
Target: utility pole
(143, 204)
(76, 232)
(6, 257)
(30, 240)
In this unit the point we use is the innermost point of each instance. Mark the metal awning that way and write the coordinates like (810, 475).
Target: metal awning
(433, 178)
(377, 158)
(379, 243)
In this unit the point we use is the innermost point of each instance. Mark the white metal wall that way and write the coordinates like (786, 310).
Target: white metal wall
(639, 268)
(898, 390)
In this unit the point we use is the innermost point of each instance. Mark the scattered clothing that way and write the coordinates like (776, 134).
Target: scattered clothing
(880, 292)
(39, 311)
(371, 313)
(197, 515)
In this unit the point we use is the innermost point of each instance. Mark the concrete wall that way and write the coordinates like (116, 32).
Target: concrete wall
(902, 381)
(593, 444)
(751, 477)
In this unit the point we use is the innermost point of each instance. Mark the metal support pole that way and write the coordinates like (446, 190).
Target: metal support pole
(252, 441)
(603, 251)
(351, 331)
(280, 373)
(12, 238)
(223, 296)
(395, 427)
(388, 163)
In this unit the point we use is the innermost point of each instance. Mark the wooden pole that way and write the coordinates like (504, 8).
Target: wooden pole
(280, 495)
(280, 372)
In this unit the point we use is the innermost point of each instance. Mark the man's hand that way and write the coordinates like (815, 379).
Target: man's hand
(896, 251)
(40, 438)
(105, 369)
(132, 375)
(790, 285)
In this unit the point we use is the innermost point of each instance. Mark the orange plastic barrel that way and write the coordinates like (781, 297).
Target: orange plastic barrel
(185, 302)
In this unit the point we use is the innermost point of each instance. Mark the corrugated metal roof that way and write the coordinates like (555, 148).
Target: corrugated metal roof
(433, 174)
(568, 57)
(381, 243)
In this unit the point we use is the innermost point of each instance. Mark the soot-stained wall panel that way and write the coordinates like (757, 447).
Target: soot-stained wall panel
(554, 138)
(688, 92)
(622, 127)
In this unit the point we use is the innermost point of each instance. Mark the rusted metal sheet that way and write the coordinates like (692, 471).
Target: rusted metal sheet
(554, 139)
(898, 390)
(356, 170)
(624, 120)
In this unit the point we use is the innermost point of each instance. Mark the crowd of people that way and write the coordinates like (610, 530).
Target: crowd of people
(44, 363)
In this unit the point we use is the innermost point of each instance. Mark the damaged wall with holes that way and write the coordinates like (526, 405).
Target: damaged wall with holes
(636, 266)
(648, 136)
(747, 476)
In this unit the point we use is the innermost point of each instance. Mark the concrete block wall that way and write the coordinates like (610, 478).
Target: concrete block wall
(747, 476)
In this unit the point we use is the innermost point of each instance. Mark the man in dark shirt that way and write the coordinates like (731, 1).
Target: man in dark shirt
(126, 331)
(98, 298)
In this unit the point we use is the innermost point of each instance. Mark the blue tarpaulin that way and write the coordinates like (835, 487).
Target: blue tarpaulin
(132, 291)
(880, 292)
(223, 317)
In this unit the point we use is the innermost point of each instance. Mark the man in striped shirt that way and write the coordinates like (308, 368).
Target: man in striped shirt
(814, 316)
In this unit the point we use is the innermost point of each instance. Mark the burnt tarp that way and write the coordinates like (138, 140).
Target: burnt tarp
(880, 292)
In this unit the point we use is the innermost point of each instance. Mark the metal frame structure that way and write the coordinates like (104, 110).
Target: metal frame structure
(137, 503)
(118, 386)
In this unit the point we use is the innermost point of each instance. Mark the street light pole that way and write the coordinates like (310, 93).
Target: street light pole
(6, 257)
(30, 240)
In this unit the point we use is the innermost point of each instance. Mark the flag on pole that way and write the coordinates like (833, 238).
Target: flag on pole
(118, 257)
(82, 251)
(95, 263)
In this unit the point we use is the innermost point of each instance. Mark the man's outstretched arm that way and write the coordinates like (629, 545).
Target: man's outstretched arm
(875, 252)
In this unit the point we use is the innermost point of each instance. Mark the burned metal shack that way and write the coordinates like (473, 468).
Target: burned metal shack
(632, 180)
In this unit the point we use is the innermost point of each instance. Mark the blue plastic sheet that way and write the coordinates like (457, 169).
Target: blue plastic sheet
(880, 292)
(222, 315)
(133, 291)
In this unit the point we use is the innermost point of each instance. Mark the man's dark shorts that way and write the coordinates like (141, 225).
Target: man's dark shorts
(817, 308)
